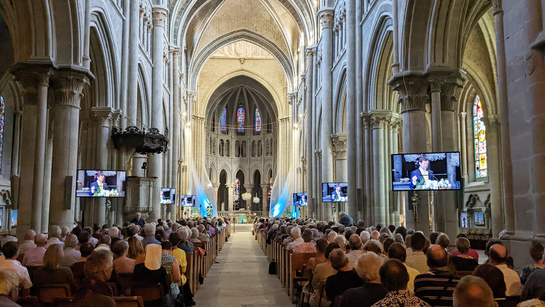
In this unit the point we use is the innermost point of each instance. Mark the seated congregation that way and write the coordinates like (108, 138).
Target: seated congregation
(139, 264)
(324, 264)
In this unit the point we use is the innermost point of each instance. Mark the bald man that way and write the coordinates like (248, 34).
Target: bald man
(498, 257)
(35, 256)
(29, 242)
(473, 291)
(437, 285)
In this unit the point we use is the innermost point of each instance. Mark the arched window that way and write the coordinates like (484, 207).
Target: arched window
(257, 120)
(2, 115)
(479, 139)
(223, 120)
(240, 119)
(227, 148)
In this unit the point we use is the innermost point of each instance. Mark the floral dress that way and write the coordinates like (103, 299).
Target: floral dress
(167, 263)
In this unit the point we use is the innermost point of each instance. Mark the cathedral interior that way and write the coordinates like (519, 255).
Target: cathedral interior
(240, 104)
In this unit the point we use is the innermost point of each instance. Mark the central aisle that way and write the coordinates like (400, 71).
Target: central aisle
(241, 277)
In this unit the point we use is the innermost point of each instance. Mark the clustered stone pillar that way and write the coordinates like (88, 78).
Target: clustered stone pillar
(309, 131)
(103, 117)
(230, 197)
(264, 199)
(68, 84)
(378, 122)
(506, 164)
(156, 160)
(351, 113)
(326, 16)
(35, 81)
(412, 92)
(177, 129)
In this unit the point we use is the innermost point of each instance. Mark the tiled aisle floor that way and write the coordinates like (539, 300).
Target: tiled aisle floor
(241, 278)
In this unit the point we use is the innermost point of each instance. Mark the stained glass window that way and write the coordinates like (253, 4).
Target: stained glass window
(479, 138)
(2, 115)
(240, 119)
(257, 120)
(223, 120)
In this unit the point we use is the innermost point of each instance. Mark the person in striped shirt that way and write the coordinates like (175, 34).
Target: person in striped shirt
(437, 286)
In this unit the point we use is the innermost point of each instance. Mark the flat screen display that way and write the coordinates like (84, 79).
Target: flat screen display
(426, 171)
(334, 192)
(479, 218)
(187, 201)
(168, 196)
(100, 183)
(300, 199)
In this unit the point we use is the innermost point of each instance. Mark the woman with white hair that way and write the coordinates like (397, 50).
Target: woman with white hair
(367, 266)
(195, 236)
(185, 244)
(341, 241)
(331, 236)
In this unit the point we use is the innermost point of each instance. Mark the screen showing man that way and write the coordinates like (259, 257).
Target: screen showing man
(426, 171)
(98, 186)
(299, 199)
(422, 174)
(187, 201)
(100, 183)
(335, 192)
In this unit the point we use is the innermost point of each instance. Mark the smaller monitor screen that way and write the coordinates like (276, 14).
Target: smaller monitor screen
(99, 183)
(187, 201)
(437, 171)
(479, 218)
(168, 196)
(464, 223)
(300, 199)
(334, 192)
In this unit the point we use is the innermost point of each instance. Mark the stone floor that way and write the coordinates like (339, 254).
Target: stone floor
(241, 277)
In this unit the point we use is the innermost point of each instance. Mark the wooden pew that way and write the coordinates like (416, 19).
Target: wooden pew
(298, 262)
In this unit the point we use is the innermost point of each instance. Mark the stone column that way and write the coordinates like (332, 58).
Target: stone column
(309, 131)
(351, 110)
(35, 79)
(378, 123)
(231, 191)
(436, 127)
(264, 200)
(216, 186)
(326, 16)
(448, 201)
(395, 206)
(176, 124)
(47, 179)
(367, 166)
(134, 40)
(412, 93)
(494, 176)
(156, 160)
(68, 84)
(463, 142)
(103, 116)
(248, 187)
(339, 142)
(506, 165)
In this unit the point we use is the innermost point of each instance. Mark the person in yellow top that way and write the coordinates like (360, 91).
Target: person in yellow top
(179, 254)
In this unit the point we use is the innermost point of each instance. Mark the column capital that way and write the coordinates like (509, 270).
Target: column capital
(69, 84)
(310, 51)
(160, 15)
(463, 115)
(32, 76)
(412, 89)
(117, 114)
(248, 186)
(216, 185)
(327, 18)
(379, 119)
(230, 185)
(265, 185)
(339, 146)
(103, 114)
